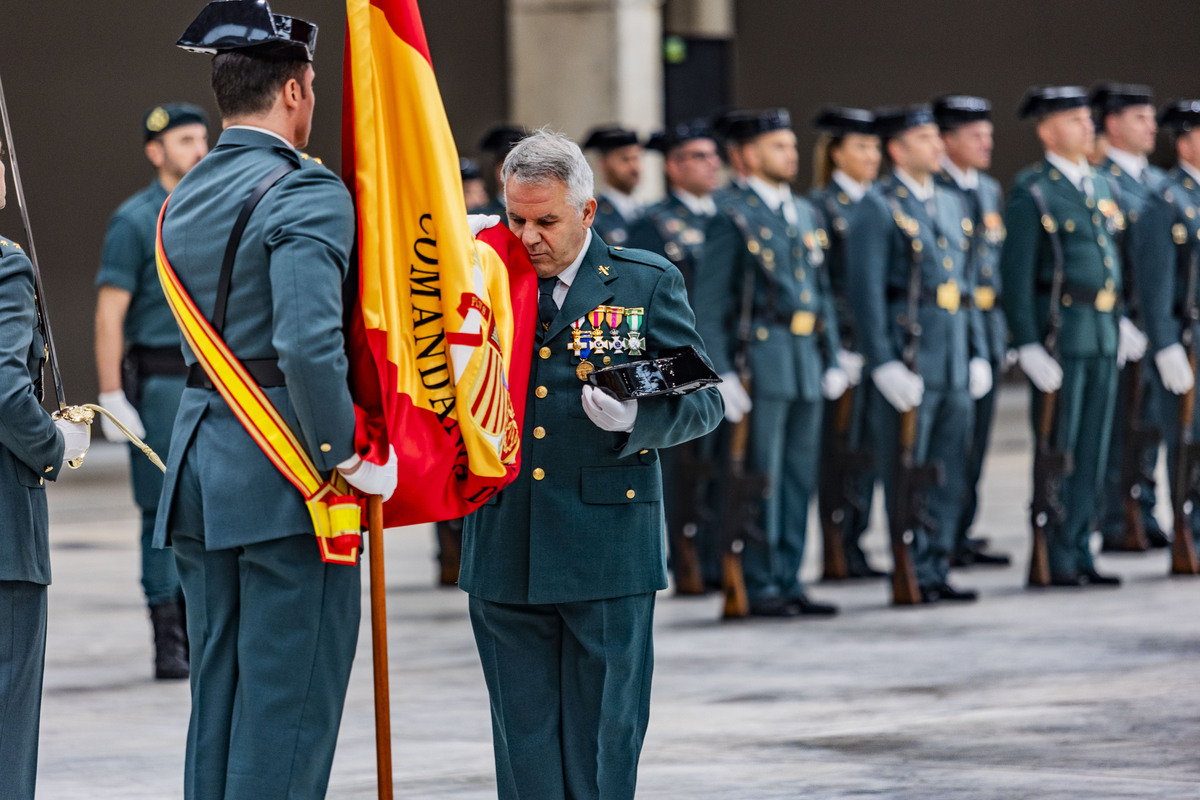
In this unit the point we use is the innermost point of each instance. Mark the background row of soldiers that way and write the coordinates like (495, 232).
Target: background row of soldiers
(861, 331)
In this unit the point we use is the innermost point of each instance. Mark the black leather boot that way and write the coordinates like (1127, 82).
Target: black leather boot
(170, 641)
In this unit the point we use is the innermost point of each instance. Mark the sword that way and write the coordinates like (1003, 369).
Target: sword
(87, 412)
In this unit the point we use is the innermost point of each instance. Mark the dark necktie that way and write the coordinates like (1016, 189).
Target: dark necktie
(547, 308)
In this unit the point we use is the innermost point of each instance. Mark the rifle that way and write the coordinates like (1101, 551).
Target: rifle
(1049, 463)
(908, 512)
(691, 512)
(840, 499)
(746, 488)
(1187, 454)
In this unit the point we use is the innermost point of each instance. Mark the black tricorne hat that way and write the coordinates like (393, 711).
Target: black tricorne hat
(953, 110)
(1042, 100)
(607, 138)
(469, 169)
(891, 121)
(499, 139)
(745, 127)
(667, 140)
(1108, 97)
(1180, 116)
(163, 118)
(250, 27)
(841, 120)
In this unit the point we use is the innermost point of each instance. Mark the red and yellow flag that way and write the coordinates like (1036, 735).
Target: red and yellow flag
(441, 339)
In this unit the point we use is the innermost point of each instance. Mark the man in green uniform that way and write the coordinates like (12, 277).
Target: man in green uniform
(497, 140)
(965, 123)
(764, 254)
(32, 449)
(847, 164)
(1164, 240)
(137, 355)
(1063, 202)
(620, 163)
(562, 565)
(914, 234)
(674, 227)
(272, 627)
(1127, 115)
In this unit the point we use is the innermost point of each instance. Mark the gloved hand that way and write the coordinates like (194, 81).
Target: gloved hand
(1044, 372)
(607, 412)
(122, 409)
(1131, 342)
(852, 364)
(899, 385)
(371, 478)
(737, 402)
(834, 383)
(1174, 369)
(77, 437)
(980, 376)
(481, 222)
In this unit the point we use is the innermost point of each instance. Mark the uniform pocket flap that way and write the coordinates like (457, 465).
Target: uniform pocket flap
(615, 485)
(27, 477)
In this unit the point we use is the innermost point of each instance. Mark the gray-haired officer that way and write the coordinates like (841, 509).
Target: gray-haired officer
(1063, 204)
(965, 123)
(912, 237)
(1126, 113)
(620, 162)
(141, 370)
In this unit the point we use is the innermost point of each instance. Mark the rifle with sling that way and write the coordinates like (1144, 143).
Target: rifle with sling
(908, 511)
(1050, 464)
(1186, 491)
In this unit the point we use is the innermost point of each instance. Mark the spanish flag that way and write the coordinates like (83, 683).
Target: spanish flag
(442, 334)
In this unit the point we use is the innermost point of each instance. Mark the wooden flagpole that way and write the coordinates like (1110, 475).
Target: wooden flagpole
(383, 705)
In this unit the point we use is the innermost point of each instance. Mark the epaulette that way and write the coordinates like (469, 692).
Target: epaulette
(8, 247)
(636, 256)
(1029, 175)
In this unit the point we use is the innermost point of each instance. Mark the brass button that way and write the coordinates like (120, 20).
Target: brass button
(942, 243)
(762, 334)
(948, 262)
(325, 448)
(643, 452)
(608, 359)
(544, 352)
(1101, 240)
(541, 391)
(631, 494)
(539, 432)
(1066, 299)
(538, 474)
(41, 481)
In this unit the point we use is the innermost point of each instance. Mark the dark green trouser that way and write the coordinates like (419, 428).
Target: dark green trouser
(1086, 401)
(1166, 406)
(22, 661)
(1112, 497)
(157, 405)
(570, 692)
(985, 413)
(272, 631)
(861, 484)
(785, 442)
(943, 428)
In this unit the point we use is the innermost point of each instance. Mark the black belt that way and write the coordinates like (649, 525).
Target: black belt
(265, 371)
(157, 360)
(1076, 291)
(926, 297)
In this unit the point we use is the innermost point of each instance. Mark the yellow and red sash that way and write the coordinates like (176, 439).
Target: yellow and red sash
(335, 511)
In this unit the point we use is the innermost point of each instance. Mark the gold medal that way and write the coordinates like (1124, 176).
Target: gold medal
(584, 369)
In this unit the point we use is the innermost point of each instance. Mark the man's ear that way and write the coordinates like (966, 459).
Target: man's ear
(156, 154)
(589, 212)
(293, 93)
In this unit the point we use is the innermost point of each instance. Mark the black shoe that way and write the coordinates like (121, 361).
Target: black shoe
(1157, 539)
(991, 559)
(948, 592)
(1069, 581)
(806, 607)
(930, 594)
(773, 607)
(170, 641)
(865, 570)
(1093, 578)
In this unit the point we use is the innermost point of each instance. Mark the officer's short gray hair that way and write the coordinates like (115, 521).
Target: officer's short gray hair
(545, 156)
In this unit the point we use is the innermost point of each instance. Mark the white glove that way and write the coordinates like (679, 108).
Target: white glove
(371, 478)
(1131, 343)
(1174, 369)
(980, 373)
(899, 385)
(481, 222)
(737, 402)
(607, 412)
(77, 437)
(1045, 373)
(122, 409)
(852, 364)
(834, 383)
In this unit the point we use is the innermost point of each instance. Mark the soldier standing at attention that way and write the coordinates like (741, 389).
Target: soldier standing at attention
(845, 165)
(763, 255)
(563, 565)
(965, 123)
(32, 450)
(620, 170)
(272, 626)
(1127, 115)
(913, 229)
(141, 370)
(1063, 203)
(1164, 241)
